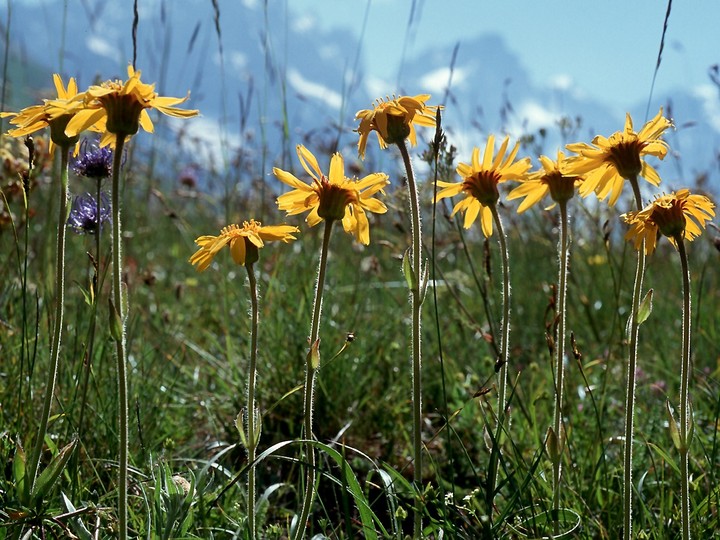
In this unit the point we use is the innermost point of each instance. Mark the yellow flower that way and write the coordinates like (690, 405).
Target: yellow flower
(244, 242)
(394, 120)
(332, 197)
(480, 182)
(55, 113)
(680, 215)
(607, 163)
(553, 178)
(121, 107)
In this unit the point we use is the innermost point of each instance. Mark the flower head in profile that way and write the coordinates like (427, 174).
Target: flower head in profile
(481, 180)
(53, 113)
(88, 215)
(121, 107)
(679, 215)
(394, 120)
(332, 197)
(244, 242)
(94, 162)
(608, 162)
(553, 178)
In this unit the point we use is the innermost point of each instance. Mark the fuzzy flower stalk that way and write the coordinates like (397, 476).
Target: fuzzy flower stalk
(52, 114)
(394, 121)
(554, 179)
(118, 109)
(328, 198)
(479, 188)
(606, 164)
(245, 242)
(679, 216)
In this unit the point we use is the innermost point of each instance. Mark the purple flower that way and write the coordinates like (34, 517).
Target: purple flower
(86, 215)
(95, 163)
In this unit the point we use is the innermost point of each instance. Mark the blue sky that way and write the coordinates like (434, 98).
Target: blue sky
(607, 49)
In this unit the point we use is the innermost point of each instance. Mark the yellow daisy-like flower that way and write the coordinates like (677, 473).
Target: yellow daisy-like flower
(332, 197)
(121, 107)
(394, 120)
(55, 113)
(480, 182)
(554, 178)
(244, 242)
(607, 163)
(679, 215)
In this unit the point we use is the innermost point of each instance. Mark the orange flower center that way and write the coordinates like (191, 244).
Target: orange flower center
(562, 188)
(123, 113)
(483, 186)
(670, 219)
(626, 158)
(333, 200)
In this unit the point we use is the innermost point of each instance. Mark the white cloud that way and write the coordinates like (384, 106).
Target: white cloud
(708, 95)
(303, 24)
(237, 60)
(207, 142)
(561, 81)
(311, 89)
(436, 81)
(101, 47)
(530, 117)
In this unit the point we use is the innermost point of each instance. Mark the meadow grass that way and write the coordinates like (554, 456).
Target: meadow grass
(187, 339)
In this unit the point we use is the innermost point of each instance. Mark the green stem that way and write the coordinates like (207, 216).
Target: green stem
(90, 352)
(560, 359)
(252, 438)
(503, 413)
(631, 381)
(313, 355)
(57, 329)
(686, 420)
(120, 342)
(416, 337)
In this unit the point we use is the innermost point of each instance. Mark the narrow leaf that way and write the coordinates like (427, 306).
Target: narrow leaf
(52, 472)
(645, 308)
(674, 432)
(408, 271)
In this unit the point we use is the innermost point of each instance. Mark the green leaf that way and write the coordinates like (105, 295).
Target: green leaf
(425, 277)
(674, 432)
(645, 308)
(77, 526)
(114, 321)
(313, 357)
(408, 271)
(52, 472)
(22, 484)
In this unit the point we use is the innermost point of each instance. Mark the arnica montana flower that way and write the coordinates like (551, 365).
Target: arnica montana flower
(121, 107)
(87, 216)
(607, 163)
(553, 178)
(480, 182)
(679, 215)
(394, 120)
(244, 242)
(55, 113)
(332, 197)
(94, 162)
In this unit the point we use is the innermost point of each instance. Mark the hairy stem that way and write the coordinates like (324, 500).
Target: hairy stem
(120, 342)
(563, 249)
(503, 413)
(634, 326)
(313, 356)
(416, 327)
(252, 437)
(59, 311)
(686, 420)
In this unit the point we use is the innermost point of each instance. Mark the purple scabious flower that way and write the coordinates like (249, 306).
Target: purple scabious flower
(87, 216)
(94, 163)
